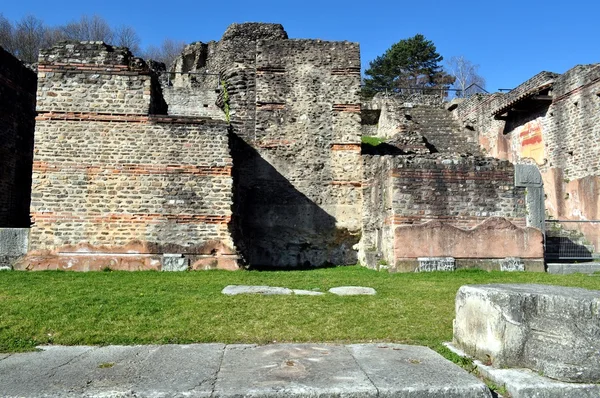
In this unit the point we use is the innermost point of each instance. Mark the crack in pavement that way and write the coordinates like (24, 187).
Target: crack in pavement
(362, 370)
(6, 357)
(55, 368)
(214, 383)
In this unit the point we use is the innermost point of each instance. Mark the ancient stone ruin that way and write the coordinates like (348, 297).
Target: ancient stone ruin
(247, 152)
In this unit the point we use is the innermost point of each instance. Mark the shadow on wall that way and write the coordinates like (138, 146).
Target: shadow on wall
(277, 226)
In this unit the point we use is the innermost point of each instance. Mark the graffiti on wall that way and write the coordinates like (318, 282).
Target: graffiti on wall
(530, 141)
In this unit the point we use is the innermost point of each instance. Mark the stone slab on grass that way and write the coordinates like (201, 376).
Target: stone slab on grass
(553, 330)
(300, 292)
(291, 370)
(399, 370)
(353, 291)
(233, 290)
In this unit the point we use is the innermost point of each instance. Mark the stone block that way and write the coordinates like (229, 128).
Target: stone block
(430, 264)
(175, 262)
(553, 330)
(511, 264)
(13, 241)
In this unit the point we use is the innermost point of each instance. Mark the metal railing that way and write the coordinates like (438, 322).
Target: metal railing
(568, 241)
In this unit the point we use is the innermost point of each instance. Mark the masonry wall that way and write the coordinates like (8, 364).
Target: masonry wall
(17, 122)
(561, 136)
(462, 207)
(115, 185)
(296, 123)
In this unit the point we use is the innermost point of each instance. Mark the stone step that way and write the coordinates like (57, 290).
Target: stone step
(219, 370)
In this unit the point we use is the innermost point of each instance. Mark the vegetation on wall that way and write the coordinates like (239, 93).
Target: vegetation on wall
(226, 107)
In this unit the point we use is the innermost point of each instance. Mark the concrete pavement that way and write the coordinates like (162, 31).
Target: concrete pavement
(218, 370)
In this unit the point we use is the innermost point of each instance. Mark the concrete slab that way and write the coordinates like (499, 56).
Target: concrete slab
(399, 370)
(291, 370)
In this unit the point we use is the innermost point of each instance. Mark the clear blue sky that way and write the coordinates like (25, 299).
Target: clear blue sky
(510, 40)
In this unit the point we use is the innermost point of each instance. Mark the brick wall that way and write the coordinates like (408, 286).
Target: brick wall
(17, 121)
(116, 185)
(419, 205)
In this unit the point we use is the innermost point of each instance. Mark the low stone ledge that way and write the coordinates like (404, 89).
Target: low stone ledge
(553, 330)
(508, 264)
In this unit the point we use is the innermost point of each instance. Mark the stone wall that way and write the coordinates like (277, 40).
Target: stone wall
(426, 206)
(17, 121)
(116, 185)
(297, 169)
(552, 121)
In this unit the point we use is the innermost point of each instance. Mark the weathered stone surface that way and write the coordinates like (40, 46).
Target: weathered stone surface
(550, 329)
(233, 290)
(494, 238)
(116, 371)
(525, 383)
(399, 370)
(291, 370)
(429, 264)
(215, 370)
(175, 262)
(13, 241)
(353, 291)
(512, 264)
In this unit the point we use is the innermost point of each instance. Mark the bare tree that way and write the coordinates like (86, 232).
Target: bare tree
(468, 80)
(125, 36)
(6, 34)
(167, 52)
(29, 37)
(93, 28)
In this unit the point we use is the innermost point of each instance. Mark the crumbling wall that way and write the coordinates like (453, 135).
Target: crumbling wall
(17, 121)
(192, 85)
(114, 184)
(462, 207)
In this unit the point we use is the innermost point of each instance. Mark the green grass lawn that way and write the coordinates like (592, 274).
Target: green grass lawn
(152, 307)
